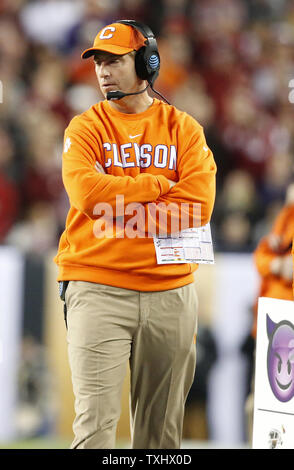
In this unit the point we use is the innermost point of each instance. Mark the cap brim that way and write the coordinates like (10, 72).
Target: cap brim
(118, 50)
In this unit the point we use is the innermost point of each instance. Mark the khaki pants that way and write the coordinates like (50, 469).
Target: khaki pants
(155, 332)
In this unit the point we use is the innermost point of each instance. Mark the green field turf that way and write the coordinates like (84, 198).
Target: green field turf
(38, 443)
(46, 443)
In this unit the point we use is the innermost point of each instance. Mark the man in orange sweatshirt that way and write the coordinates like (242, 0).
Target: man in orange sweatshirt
(273, 257)
(130, 153)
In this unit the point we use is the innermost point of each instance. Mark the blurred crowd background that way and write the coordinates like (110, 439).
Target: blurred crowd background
(229, 63)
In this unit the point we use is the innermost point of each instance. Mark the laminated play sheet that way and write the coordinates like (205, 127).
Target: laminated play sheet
(193, 245)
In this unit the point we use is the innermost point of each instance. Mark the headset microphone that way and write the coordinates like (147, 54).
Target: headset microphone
(118, 95)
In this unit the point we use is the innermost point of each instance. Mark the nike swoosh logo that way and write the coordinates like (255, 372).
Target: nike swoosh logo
(133, 136)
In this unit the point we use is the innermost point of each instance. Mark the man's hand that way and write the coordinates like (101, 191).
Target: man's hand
(100, 168)
(287, 268)
(171, 183)
(274, 242)
(283, 266)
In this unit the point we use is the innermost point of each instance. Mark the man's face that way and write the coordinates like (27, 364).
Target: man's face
(116, 72)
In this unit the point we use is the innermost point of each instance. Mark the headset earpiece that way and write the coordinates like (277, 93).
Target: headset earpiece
(147, 59)
(147, 65)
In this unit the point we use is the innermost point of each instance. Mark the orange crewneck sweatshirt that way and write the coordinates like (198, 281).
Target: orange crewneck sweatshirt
(139, 153)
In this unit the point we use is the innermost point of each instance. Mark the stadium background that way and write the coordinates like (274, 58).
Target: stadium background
(229, 63)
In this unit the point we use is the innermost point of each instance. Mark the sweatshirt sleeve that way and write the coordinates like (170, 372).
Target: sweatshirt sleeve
(86, 186)
(190, 202)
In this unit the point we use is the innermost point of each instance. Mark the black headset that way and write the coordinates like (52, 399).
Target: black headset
(147, 59)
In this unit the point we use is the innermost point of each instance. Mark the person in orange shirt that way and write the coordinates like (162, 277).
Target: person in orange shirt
(130, 155)
(273, 257)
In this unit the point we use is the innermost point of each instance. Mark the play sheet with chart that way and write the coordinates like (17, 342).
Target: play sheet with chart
(193, 245)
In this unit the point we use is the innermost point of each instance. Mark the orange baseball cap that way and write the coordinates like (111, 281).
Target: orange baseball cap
(116, 38)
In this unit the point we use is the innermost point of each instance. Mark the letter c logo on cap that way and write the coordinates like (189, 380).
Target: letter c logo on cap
(108, 36)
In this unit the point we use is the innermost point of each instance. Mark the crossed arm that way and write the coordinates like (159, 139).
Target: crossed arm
(87, 183)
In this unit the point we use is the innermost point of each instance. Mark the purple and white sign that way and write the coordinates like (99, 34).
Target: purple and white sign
(273, 426)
